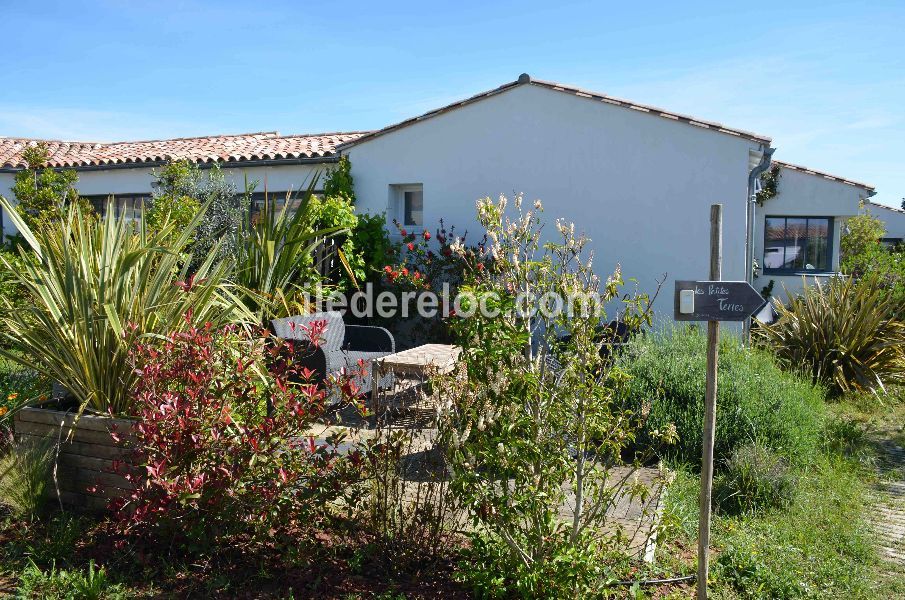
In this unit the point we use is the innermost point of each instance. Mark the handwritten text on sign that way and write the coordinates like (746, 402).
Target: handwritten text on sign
(716, 301)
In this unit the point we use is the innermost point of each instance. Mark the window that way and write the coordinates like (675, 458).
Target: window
(406, 204)
(130, 206)
(276, 199)
(413, 207)
(793, 244)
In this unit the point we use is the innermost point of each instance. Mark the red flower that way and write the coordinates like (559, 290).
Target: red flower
(388, 269)
(427, 235)
(404, 271)
(480, 266)
(403, 232)
(410, 246)
(187, 285)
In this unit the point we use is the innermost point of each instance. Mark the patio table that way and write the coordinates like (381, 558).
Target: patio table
(417, 363)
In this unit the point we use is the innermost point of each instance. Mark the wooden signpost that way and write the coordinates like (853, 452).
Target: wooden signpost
(716, 300)
(712, 301)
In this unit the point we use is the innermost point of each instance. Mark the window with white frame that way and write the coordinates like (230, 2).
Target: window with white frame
(408, 204)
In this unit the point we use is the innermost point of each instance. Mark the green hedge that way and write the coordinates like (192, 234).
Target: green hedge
(757, 401)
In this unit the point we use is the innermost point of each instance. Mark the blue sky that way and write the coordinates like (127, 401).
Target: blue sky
(826, 80)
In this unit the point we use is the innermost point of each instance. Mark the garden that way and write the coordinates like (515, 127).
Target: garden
(181, 417)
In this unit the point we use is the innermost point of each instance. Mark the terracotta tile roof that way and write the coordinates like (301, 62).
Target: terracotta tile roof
(524, 79)
(218, 148)
(809, 171)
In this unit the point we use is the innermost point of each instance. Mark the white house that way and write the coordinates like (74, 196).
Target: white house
(893, 219)
(801, 225)
(637, 180)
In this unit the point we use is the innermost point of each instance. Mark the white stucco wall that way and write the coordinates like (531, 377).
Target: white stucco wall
(6, 184)
(806, 195)
(639, 185)
(277, 178)
(894, 219)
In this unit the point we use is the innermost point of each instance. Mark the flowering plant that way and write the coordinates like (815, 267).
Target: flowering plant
(223, 440)
(536, 423)
(428, 261)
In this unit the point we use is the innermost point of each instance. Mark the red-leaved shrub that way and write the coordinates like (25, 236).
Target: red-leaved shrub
(223, 441)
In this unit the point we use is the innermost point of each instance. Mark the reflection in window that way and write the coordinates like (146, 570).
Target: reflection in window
(130, 206)
(797, 243)
(413, 212)
(277, 199)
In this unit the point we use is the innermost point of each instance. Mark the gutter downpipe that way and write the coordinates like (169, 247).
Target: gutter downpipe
(750, 214)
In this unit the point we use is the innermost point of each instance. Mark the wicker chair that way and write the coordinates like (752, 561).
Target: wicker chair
(341, 346)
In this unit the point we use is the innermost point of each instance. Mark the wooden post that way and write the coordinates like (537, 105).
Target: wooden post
(713, 335)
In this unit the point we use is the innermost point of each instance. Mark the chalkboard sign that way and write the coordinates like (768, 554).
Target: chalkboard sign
(716, 301)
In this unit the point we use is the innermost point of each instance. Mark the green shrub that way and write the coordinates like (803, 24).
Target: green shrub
(339, 182)
(862, 234)
(219, 230)
(753, 478)
(55, 538)
(534, 427)
(337, 213)
(92, 584)
(819, 547)
(842, 333)
(572, 571)
(24, 476)
(372, 242)
(862, 254)
(44, 194)
(756, 399)
(19, 386)
(14, 296)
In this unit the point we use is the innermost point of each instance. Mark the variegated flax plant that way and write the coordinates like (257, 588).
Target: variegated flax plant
(275, 256)
(843, 333)
(97, 285)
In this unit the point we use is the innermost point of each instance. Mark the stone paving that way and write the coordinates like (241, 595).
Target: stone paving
(889, 511)
(634, 518)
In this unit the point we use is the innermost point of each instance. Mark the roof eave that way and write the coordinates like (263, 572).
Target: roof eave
(524, 79)
(228, 164)
(828, 176)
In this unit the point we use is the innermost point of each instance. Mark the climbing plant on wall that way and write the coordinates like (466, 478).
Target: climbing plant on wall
(339, 181)
(769, 184)
(365, 248)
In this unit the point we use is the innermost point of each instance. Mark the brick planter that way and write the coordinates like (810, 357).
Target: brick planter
(86, 454)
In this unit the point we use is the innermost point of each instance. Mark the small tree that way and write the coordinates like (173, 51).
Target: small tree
(227, 209)
(181, 190)
(535, 433)
(174, 199)
(863, 256)
(43, 194)
(862, 236)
